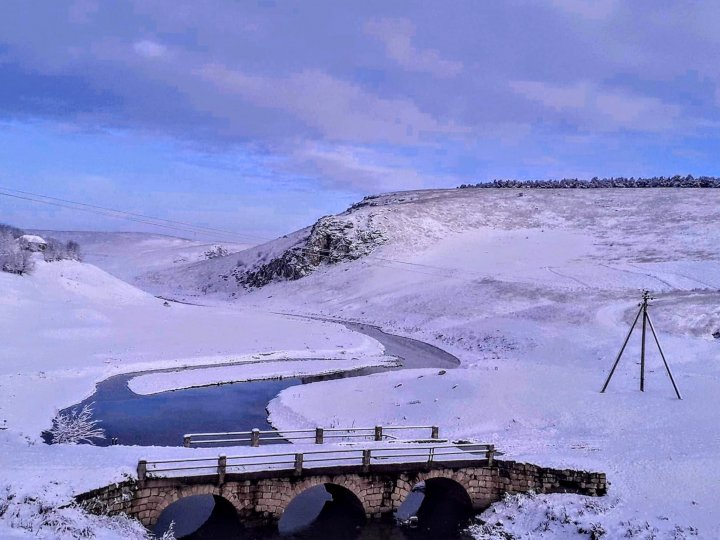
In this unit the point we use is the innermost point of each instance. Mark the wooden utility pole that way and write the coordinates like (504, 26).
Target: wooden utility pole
(642, 346)
(645, 323)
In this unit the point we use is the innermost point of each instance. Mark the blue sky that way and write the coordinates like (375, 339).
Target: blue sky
(261, 116)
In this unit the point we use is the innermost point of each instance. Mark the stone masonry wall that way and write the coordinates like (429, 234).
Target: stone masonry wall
(381, 492)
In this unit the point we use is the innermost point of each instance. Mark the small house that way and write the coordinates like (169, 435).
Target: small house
(31, 242)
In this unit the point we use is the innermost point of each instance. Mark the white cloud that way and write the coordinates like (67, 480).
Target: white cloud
(397, 36)
(149, 49)
(82, 11)
(335, 108)
(639, 112)
(587, 9)
(555, 97)
(360, 168)
(601, 109)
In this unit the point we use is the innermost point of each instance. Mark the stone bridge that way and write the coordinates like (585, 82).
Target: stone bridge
(261, 497)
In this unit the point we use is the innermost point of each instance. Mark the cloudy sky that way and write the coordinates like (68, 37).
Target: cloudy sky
(260, 116)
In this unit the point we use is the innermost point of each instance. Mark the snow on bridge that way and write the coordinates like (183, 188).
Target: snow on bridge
(261, 484)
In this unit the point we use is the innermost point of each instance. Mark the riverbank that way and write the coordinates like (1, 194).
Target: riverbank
(70, 325)
(159, 407)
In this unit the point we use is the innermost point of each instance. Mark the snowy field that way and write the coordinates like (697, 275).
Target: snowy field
(128, 255)
(533, 291)
(250, 371)
(68, 326)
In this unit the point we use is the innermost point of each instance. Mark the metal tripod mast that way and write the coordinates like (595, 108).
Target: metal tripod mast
(645, 323)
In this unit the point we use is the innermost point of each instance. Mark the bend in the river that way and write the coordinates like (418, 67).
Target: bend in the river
(162, 419)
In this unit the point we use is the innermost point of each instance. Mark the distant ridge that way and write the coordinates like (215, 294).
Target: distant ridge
(677, 181)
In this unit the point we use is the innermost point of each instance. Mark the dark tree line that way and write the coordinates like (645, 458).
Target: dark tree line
(677, 181)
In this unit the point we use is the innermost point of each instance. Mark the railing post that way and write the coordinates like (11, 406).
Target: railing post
(255, 437)
(222, 468)
(298, 463)
(186, 441)
(319, 438)
(378, 433)
(490, 454)
(431, 455)
(142, 472)
(366, 460)
(434, 432)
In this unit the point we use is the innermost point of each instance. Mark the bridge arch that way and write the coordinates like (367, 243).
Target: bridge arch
(203, 514)
(449, 490)
(440, 478)
(172, 496)
(323, 507)
(166, 497)
(436, 504)
(350, 483)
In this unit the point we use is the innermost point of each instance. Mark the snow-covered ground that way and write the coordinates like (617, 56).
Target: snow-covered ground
(532, 289)
(250, 371)
(564, 517)
(68, 326)
(129, 255)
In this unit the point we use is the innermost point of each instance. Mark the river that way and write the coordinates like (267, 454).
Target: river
(163, 419)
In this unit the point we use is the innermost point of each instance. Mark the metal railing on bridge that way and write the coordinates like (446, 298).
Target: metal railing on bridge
(318, 435)
(296, 462)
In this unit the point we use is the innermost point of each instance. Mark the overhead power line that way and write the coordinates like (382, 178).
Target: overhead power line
(128, 216)
(175, 225)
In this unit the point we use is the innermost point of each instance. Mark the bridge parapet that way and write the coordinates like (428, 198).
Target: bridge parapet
(318, 435)
(296, 462)
(261, 496)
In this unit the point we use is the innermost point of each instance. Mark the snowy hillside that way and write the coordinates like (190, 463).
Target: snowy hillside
(67, 326)
(534, 291)
(531, 236)
(72, 322)
(128, 255)
(330, 240)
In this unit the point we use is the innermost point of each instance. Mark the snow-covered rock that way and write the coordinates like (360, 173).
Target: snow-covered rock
(331, 240)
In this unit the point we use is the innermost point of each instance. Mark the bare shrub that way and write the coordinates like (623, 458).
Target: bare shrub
(76, 426)
(216, 252)
(13, 259)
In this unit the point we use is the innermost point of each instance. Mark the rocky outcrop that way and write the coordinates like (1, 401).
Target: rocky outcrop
(386, 199)
(331, 240)
(290, 265)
